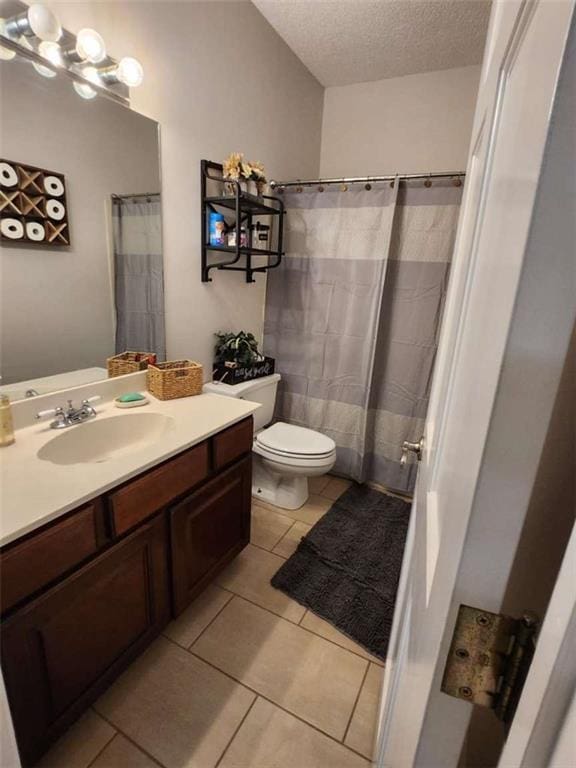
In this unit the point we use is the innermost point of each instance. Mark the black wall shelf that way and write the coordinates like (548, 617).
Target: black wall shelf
(240, 209)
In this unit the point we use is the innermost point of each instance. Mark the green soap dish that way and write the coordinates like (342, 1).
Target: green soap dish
(131, 400)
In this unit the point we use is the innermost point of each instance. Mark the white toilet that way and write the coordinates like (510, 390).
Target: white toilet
(284, 456)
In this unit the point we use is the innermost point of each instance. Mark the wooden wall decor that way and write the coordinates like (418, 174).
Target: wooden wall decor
(33, 206)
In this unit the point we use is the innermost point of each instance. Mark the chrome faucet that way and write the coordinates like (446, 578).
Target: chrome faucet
(69, 416)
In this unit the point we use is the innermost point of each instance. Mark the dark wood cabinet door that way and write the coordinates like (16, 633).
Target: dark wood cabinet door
(208, 529)
(61, 650)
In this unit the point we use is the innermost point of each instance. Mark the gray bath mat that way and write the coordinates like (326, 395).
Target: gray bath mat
(346, 569)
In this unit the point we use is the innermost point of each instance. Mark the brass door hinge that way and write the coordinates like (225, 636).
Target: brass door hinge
(489, 659)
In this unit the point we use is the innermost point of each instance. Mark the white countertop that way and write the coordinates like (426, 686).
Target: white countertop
(34, 491)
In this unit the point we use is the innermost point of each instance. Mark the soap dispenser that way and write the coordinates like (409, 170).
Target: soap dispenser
(7, 436)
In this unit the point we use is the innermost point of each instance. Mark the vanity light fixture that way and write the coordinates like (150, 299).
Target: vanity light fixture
(38, 21)
(128, 71)
(89, 47)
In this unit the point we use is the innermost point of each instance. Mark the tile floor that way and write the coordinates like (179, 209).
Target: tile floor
(244, 678)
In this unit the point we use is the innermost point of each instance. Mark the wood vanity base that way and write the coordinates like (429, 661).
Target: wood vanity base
(84, 596)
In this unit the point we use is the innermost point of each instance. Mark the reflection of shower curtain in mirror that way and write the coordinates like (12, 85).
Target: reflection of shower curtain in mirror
(353, 315)
(139, 276)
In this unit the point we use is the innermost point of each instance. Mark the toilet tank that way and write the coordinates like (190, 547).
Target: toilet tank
(262, 390)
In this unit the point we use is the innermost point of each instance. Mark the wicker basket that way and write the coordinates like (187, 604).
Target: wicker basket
(178, 378)
(128, 362)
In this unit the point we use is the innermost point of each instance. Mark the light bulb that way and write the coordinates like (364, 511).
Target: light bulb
(37, 21)
(91, 73)
(43, 23)
(52, 52)
(5, 53)
(44, 71)
(130, 72)
(84, 90)
(90, 46)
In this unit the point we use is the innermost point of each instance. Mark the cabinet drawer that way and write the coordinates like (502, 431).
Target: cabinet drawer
(142, 497)
(233, 443)
(35, 562)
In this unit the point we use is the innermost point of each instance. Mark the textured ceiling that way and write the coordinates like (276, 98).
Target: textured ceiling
(353, 41)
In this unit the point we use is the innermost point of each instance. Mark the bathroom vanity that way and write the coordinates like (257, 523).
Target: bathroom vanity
(84, 593)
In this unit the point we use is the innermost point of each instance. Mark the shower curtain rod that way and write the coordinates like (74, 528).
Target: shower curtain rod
(136, 194)
(368, 179)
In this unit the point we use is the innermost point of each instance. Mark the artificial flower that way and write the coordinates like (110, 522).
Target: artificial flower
(258, 171)
(232, 164)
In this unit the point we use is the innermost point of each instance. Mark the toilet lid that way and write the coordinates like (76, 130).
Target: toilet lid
(286, 439)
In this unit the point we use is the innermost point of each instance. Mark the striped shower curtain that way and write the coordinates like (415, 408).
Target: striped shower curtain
(138, 275)
(353, 315)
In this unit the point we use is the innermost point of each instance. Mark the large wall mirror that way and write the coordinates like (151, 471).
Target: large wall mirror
(70, 301)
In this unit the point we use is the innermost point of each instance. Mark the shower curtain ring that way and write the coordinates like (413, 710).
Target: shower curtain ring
(428, 182)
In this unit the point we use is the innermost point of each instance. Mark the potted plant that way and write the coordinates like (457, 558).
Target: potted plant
(237, 358)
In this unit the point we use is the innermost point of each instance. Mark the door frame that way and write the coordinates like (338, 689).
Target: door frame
(447, 357)
(549, 691)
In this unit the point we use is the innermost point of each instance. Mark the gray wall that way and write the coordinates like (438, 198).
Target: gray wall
(218, 79)
(405, 124)
(57, 303)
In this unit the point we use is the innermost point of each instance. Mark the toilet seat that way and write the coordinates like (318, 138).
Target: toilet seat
(288, 442)
(307, 464)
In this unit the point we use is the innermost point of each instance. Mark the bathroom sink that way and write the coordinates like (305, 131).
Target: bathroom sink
(105, 439)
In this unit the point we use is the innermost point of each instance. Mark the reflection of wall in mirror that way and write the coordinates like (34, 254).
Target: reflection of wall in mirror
(57, 306)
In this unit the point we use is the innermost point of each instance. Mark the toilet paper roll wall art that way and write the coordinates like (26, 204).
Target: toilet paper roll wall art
(33, 207)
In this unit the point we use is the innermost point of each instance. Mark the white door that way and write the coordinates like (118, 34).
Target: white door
(508, 318)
